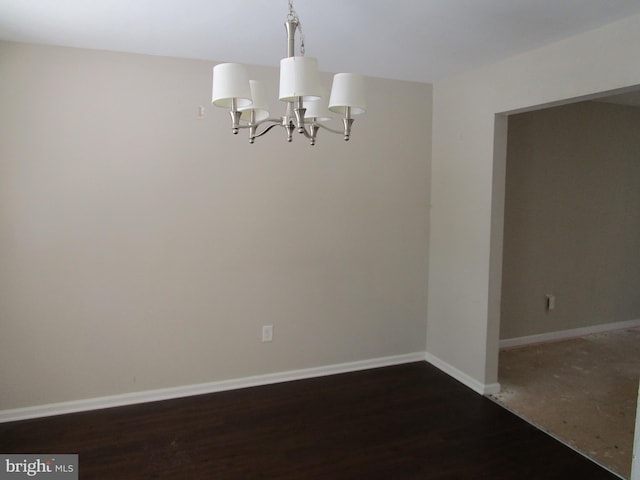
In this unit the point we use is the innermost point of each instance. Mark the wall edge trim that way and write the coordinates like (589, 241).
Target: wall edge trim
(567, 334)
(76, 406)
(459, 375)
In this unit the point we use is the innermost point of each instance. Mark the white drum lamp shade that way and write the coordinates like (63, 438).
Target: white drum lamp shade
(259, 105)
(317, 109)
(230, 80)
(348, 91)
(299, 78)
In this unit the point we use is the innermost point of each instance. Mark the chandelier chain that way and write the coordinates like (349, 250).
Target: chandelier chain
(293, 16)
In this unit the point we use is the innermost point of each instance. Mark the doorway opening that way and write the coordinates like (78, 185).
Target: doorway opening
(571, 266)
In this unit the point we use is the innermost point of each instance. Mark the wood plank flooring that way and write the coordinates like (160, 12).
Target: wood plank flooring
(404, 422)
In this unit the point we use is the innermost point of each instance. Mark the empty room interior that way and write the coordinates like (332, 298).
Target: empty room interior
(570, 273)
(486, 200)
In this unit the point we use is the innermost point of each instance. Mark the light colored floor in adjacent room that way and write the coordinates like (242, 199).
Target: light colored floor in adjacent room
(583, 391)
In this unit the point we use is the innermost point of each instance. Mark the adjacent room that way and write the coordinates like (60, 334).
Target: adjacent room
(148, 254)
(571, 270)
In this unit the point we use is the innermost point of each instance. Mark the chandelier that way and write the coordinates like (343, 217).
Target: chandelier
(300, 89)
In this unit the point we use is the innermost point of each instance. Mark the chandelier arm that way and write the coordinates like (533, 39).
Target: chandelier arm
(303, 130)
(312, 133)
(332, 130)
(275, 122)
(266, 129)
(261, 122)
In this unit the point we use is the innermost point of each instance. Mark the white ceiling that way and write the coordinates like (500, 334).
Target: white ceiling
(420, 40)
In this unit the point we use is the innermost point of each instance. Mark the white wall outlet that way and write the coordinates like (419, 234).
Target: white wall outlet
(550, 302)
(267, 333)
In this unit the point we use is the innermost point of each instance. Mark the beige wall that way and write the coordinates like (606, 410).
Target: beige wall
(144, 248)
(467, 185)
(572, 218)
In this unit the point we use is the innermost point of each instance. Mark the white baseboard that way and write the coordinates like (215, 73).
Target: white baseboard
(203, 388)
(473, 384)
(566, 334)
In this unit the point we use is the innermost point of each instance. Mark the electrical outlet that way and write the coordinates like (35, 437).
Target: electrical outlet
(267, 333)
(550, 302)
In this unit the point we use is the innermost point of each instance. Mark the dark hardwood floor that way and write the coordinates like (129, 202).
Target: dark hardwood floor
(403, 422)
